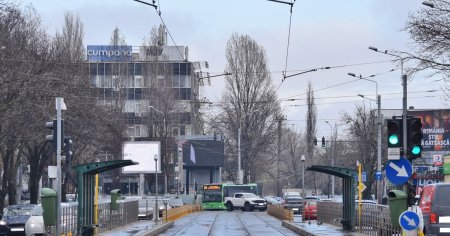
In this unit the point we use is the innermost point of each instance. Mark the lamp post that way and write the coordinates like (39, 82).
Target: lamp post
(379, 121)
(156, 188)
(303, 175)
(240, 174)
(405, 94)
(332, 158)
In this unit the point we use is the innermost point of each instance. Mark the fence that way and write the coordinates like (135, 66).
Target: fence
(107, 219)
(375, 219)
(280, 212)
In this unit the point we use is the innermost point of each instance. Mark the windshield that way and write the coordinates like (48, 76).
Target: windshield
(249, 195)
(212, 196)
(18, 211)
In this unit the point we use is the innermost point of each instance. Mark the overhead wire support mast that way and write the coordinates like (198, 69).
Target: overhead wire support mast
(146, 3)
(289, 34)
(304, 72)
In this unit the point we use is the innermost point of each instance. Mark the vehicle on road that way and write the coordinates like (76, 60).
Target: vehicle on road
(14, 219)
(271, 200)
(309, 210)
(435, 206)
(294, 203)
(246, 202)
(213, 197)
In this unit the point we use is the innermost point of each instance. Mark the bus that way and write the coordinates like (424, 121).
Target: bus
(214, 194)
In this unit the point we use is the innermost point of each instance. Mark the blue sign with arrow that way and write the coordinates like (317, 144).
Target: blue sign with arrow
(398, 171)
(409, 220)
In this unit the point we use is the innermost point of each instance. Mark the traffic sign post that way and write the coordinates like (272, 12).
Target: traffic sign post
(409, 220)
(398, 171)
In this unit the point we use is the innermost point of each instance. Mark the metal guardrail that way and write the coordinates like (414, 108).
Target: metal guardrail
(375, 219)
(107, 219)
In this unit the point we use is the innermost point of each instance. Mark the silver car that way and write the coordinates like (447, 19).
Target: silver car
(35, 224)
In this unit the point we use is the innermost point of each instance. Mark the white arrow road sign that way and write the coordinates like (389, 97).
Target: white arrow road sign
(401, 171)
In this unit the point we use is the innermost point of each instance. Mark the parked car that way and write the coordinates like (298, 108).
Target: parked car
(145, 210)
(35, 224)
(435, 206)
(294, 203)
(270, 200)
(14, 219)
(176, 202)
(314, 198)
(309, 210)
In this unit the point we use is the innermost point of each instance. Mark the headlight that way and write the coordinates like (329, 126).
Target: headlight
(3, 222)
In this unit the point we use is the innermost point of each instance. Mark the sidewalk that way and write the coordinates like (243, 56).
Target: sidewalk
(140, 228)
(312, 228)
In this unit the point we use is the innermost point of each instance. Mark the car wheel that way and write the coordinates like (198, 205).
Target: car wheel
(247, 207)
(229, 206)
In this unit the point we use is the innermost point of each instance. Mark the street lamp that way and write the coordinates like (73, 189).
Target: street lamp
(332, 157)
(156, 188)
(303, 175)
(379, 121)
(240, 174)
(405, 105)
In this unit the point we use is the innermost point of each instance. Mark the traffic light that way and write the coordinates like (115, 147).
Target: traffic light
(315, 141)
(53, 137)
(323, 141)
(414, 138)
(394, 133)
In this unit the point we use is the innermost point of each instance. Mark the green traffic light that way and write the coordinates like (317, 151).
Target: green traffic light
(393, 139)
(415, 150)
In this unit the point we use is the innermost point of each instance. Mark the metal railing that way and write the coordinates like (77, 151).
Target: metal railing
(107, 219)
(375, 219)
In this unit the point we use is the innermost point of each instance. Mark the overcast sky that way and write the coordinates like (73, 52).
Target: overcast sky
(323, 33)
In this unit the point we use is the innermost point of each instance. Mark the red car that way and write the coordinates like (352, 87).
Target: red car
(309, 210)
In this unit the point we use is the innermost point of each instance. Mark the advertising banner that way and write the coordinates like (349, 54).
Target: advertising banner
(203, 153)
(435, 128)
(107, 53)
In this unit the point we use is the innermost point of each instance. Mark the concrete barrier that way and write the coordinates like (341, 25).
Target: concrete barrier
(157, 230)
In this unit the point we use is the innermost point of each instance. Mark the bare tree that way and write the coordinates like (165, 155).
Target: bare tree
(429, 28)
(363, 144)
(249, 104)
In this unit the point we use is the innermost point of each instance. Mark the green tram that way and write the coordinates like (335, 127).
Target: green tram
(214, 194)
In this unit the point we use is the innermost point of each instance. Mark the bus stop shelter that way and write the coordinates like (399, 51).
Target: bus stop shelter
(86, 191)
(348, 191)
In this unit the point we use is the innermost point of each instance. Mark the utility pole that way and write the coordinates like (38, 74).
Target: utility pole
(280, 123)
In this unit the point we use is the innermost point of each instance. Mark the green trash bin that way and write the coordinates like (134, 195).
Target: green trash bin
(115, 195)
(48, 198)
(397, 201)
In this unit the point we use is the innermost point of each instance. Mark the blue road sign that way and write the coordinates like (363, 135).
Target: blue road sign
(398, 171)
(378, 175)
(409, 220)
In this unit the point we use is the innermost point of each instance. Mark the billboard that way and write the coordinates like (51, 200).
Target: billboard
(435, 129)
(108, 53)
(144, 153)
(204, 153)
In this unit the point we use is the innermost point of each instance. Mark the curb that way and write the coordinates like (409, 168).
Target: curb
(157, 230)
(295, 228)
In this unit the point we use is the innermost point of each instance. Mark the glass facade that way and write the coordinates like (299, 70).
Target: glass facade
(134, 82)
